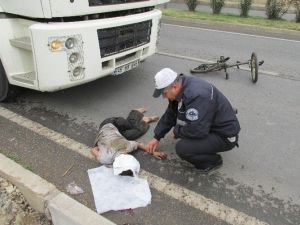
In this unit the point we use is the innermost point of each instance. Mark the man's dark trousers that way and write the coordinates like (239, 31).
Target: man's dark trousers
(202, 153)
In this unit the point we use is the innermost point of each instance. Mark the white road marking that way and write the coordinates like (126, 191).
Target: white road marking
(46, 132)
(175, 191)
(230, 32)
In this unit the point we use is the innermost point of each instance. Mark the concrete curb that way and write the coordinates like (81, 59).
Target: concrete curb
(46, 198)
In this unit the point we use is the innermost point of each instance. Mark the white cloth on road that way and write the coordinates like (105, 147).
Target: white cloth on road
(117, 192)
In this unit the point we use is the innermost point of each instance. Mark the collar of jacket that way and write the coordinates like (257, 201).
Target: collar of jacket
(183, 84)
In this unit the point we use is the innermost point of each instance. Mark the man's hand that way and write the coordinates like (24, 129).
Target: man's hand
(152, 144)
(160, 155)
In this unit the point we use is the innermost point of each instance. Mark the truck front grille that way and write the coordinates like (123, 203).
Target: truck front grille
(118, 39)
(110, 2)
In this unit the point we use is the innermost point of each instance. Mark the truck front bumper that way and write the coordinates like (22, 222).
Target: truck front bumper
(69, 54)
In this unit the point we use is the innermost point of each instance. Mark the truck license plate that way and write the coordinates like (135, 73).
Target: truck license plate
(126, 67)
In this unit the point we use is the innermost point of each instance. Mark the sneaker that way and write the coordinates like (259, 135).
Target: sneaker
(212, 167)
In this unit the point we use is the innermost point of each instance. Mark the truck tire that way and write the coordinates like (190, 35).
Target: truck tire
(4, 85)
(7, 91)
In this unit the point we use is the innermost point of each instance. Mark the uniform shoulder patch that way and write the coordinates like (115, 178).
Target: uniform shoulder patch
(192, 114)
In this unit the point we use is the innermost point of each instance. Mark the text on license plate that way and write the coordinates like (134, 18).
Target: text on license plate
(126, 67)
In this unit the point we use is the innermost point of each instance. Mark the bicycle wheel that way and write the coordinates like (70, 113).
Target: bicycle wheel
(204, 68)
(254, 67)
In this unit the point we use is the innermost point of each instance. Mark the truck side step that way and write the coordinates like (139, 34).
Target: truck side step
(26, 78)
(23, 42)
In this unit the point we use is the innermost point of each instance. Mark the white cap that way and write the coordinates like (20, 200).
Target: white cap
(163, 79)
(126, 162)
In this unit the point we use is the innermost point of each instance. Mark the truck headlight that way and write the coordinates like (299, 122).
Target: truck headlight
(70, 43)
(77, 71)
(55, 44)
(74, 57)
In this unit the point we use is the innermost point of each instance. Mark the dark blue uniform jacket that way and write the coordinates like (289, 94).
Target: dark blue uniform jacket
(203, 108)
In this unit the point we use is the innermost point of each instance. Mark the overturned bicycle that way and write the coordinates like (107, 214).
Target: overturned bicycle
(222, 65)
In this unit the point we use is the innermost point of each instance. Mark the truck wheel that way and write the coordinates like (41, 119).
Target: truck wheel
(7, 91)
(4, 85)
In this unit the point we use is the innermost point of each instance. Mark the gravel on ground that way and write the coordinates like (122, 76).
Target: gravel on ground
(15, 210)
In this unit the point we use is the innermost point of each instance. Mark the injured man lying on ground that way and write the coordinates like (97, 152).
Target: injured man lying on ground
(116, 137)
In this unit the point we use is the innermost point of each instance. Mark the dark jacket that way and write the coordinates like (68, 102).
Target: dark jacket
(131, 128)
(203, 109)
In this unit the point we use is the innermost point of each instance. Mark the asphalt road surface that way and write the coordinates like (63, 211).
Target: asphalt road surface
(260, 178)
(280, 55)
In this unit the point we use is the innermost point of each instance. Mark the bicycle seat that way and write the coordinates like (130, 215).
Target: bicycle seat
(222, 59)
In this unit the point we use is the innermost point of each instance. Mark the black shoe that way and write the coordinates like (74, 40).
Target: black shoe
(212, 167)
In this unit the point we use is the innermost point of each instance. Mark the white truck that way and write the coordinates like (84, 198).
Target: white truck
(49, 45)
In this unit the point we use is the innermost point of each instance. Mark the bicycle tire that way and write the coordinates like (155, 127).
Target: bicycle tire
(254, 67)
(205, 68)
